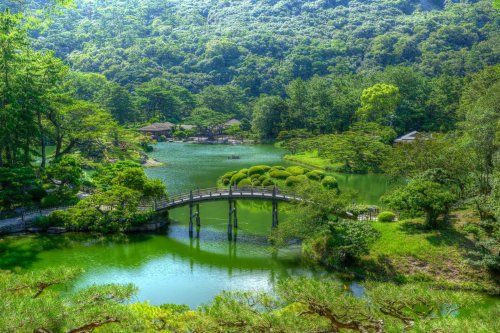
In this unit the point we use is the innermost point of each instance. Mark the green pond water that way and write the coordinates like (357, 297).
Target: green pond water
(169, 266)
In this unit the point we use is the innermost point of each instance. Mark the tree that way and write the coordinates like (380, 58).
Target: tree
(17, 187)
(378, 103)
(207, 121)
(266, 118)
(52, 310)
(229, 100)
(342, 244)
(118, 101)
(421, 195)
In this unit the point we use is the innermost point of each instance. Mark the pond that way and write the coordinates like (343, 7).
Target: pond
(168, 266)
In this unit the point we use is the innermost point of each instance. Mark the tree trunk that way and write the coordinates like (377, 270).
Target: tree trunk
(430, 219)
(42, 140)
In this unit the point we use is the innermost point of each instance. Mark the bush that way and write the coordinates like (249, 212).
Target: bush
(59, 218)
(42, 222)
(386, 217)
(277, 167)
(255, 176)
(279, 174)
(244, 171)
(316, 175)
(294, 180)
(268, 182)
(296, 170)
(256, 182)
(236, 178)
(258, 170)
(245, 182)
(263, 177)
(330, 182)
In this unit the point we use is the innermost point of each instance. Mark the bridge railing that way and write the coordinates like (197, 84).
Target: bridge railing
(214, 192)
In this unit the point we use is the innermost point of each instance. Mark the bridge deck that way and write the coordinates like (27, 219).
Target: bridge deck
(213, 194)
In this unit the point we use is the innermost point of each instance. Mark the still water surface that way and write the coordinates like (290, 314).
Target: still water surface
(168, 266)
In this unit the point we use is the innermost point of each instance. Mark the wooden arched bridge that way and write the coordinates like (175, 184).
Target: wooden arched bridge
(231, 194)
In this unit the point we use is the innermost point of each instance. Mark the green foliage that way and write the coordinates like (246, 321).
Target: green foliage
(316, 175)
(258, 169)
(295, 180)
(36, 302)
(279, 174)
(378, 103)
(330, 182)
(296, 170)
(237, 177)
(66, 171)
(268, 182)
(344, 243)
(386, 216)
(245, 182)
(17, 187)
(421, 195)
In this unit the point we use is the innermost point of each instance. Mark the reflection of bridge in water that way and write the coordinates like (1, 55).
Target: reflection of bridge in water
(231, 194)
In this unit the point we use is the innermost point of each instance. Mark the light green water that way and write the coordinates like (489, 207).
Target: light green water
(168, 266)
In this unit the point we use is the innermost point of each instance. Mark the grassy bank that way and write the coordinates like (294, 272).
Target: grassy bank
(311, 159)
(406, 251)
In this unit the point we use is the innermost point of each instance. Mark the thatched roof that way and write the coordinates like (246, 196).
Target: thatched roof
(157, 127)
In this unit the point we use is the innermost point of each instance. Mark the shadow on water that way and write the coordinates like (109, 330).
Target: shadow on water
(23, 251)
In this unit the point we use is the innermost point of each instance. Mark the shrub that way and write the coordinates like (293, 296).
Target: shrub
(330, 182)
(316, 175)
(294, 180)
(258, 169)
(277, 167)
(263, 177)
(228, 175)
(280, 174)
(268, 182)
(42, 222)
(256, 182)
(255, 176)
(226, 181)
(245, 182)
(236, 178)
(386, 217)
(244, 171)
(296, 170)
(58, 218)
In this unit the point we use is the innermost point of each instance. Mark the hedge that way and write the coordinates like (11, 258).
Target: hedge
(236, 178)
(316, 175)
(268, 182)
(296, 170)
(279, 174)
(329, 182)
(386, 216)
(294, 180)
(258, 169)
(245, 182)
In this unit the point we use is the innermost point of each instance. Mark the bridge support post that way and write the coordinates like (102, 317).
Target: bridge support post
(198, 220)
(191, 214)
(230, 221)
(275, 208)
(275, 214)
(190, 220)
(235, 215)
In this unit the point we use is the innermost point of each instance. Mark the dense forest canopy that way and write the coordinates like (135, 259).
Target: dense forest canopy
(261, 46)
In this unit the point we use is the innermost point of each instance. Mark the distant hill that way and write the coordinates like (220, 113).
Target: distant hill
(260, 45)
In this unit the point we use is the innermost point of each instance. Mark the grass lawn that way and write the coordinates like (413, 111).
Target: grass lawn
(408, 251)
(311, 159)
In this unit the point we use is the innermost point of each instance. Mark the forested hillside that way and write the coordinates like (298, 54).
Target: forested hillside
(261, 46)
